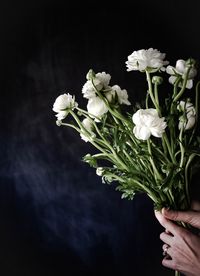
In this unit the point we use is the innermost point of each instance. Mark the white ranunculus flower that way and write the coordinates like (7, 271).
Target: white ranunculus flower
(88, 89)
(88, 126)
(181, 69)
(64, 101)
(188, 120)
(97, 107)
(147, 123)
(146, 59)
(121, 94)
(104, 79)
(101, 81)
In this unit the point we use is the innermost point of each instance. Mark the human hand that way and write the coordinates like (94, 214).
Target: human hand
(182, 246)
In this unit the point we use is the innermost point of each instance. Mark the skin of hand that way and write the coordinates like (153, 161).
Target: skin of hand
(182, 246)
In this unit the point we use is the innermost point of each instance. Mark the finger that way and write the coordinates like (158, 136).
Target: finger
(191, 217)
(195, 205)
(166, 238)
(169, 263)
(167, 224)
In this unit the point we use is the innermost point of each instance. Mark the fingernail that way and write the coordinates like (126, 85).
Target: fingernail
(165, 210)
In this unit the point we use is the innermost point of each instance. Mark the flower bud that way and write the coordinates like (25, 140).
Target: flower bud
(90, 75)
(157, 80)
(190, 62)
(58, 122)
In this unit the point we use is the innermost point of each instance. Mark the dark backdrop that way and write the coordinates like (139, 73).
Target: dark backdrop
(55, 214)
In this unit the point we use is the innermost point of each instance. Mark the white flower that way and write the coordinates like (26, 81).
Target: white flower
(88, 126)
(97, 107)
(88, 89)
(62, 104)
(146, 59)
(64, 101)
(100, 81)
(122, 95)
(104, 78)
(147, 123)
(188, 119)
(99, 171)
(181, 69)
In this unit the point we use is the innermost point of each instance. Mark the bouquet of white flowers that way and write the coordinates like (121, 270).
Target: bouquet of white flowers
(150, 149)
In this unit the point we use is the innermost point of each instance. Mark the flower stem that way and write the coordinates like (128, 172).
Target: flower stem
(151, 92)
(183, 87)
(196, 109)
(166, 141)
(181, 147)
(186, 177)
(157, 174)
(156, 94)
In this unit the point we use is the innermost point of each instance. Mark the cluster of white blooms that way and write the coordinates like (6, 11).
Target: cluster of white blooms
(97, 106)
(147, 122)
(100, 95)
(150, 147)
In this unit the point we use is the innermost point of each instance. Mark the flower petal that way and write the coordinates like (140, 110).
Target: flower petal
(141, 133)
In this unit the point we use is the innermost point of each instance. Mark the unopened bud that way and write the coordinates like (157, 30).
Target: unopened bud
(90, 75)
(190, 62)
(58, 122)
(157, 80)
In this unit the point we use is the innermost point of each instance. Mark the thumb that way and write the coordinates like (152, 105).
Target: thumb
(191, 217)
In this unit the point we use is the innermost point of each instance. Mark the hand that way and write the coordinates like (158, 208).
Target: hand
(182, 246)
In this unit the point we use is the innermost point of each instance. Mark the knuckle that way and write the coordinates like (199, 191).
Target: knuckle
(162, 235)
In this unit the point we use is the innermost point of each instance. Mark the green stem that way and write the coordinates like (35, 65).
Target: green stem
(197, 99)
(161, 153)
(186, 177)
(183, 87)
(181, 147)
(177, 273)
(150, 193)
(91, 141)
(176, 86)
(157, 174)
(151, 92)
(166, 141)
(102, 137)
(72, 126)
(196, 109)
(157, 98)
(171, 199)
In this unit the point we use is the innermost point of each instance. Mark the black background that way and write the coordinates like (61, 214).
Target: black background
(55, 214)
